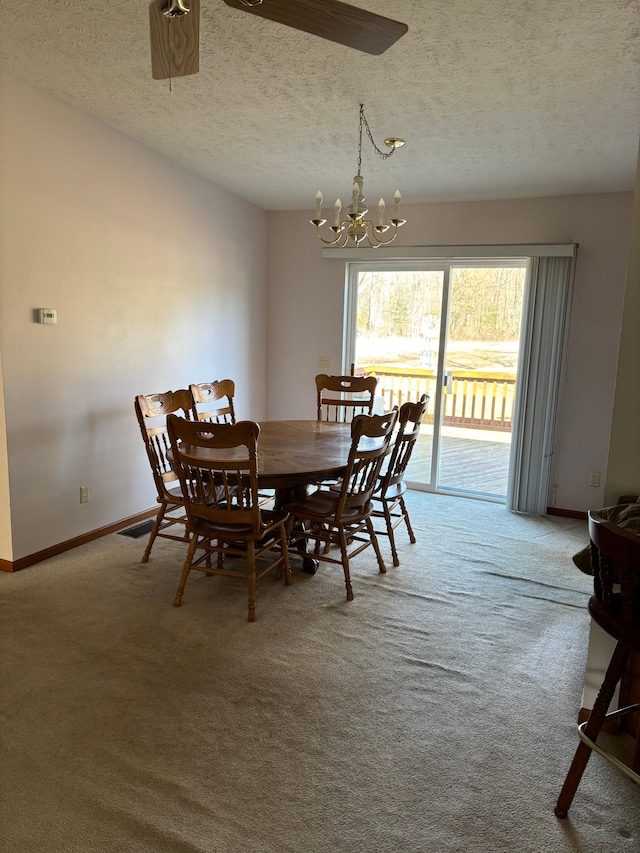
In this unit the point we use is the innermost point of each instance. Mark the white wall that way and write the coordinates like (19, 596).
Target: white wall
(5, 515)
(155, 285)
(623, 472)
(306, 295)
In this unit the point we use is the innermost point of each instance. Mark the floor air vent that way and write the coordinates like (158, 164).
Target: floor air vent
(139, 530)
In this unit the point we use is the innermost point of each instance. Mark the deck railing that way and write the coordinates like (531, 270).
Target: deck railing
(476, 399)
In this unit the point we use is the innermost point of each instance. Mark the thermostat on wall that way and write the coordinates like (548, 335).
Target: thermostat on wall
(47, 315)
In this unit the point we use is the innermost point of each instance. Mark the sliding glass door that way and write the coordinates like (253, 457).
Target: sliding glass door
(449, 330)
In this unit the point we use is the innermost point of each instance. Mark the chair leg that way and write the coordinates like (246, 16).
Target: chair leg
(376, 546)
(207, 560)
(327, 544)
(284, 551)
(154, 533)
(594, 724)
(177, 601)
(390, 533)
(283, 564)
(251, 580)
(293, 535)
(405, 514)
(345, 564)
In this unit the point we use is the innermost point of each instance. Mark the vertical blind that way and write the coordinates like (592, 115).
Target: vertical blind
(541, 339)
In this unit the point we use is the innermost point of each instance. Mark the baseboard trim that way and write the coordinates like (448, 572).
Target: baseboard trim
(567, 513)
(54, 550)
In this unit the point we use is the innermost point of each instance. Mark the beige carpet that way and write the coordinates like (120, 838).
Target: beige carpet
(435, 712)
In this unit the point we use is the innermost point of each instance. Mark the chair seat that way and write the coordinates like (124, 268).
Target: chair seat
(174, 493)
(178, 496)
(240, 531)
(323, 504)
(392, 492)
(610, 620)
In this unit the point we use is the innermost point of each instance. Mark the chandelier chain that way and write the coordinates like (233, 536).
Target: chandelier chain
(383, 154)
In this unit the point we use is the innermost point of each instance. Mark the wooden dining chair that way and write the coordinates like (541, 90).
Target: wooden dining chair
(342, 516)
(388, 497)
(205, 397)
(615, 607)
(151, 412)
(217, 468)
(341, 398)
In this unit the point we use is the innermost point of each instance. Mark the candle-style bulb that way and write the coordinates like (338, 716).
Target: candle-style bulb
(381, 212)
(318, 205)
(396, 198)
(337, 208)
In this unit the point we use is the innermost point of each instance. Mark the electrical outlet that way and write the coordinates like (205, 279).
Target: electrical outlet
(84, 494)
(594, 479)
(324, 363)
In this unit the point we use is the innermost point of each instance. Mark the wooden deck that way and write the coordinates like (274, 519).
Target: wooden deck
(467, 465)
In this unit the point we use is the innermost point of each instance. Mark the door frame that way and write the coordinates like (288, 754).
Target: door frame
(354, 268)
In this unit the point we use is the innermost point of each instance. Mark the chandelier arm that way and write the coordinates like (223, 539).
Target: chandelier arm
(372, 236)
(371, 232)
(336, 239)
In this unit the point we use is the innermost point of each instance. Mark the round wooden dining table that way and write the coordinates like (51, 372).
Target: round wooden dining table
(294, 454)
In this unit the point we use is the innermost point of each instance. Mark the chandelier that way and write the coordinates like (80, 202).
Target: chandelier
(355, 227)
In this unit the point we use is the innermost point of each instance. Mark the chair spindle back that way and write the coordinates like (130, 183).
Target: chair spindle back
(221, 486)
(205, 394)
(332, 405)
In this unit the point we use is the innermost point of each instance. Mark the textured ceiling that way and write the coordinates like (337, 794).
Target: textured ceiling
(495, 98)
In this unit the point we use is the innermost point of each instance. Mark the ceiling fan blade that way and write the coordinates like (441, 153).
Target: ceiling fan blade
(330, 19)
(175, 42)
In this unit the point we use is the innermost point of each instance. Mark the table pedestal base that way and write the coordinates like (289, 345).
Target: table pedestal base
(287, 496)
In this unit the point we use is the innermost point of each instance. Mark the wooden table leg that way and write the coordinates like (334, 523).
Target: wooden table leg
(287, 496)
